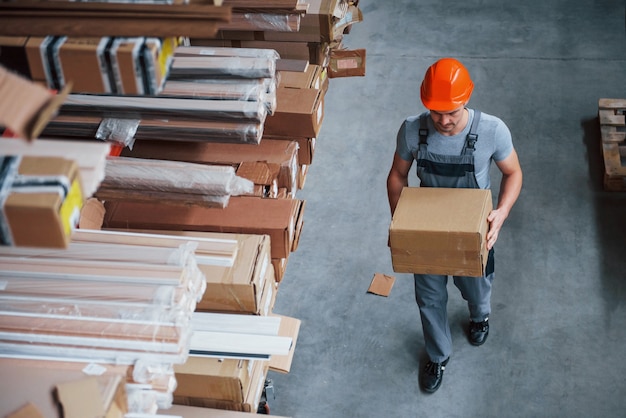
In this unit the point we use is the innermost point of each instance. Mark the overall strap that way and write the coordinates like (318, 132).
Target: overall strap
(423, 132)
(472, 136)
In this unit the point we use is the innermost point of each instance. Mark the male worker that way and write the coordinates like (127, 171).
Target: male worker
(453, 147)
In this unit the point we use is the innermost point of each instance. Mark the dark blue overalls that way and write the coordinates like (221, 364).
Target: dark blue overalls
(455, 171)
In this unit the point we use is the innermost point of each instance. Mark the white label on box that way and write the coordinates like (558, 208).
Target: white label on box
(93, 369)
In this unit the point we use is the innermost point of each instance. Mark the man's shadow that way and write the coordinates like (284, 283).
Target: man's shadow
(610, 222)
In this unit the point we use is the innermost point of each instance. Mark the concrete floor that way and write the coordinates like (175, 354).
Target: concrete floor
(558, 323)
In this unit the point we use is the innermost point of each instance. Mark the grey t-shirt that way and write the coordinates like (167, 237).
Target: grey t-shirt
(494, 142)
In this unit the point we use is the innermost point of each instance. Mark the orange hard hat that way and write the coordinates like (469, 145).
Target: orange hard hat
(446, 86)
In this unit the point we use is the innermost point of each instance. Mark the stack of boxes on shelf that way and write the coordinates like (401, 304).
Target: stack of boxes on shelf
(242, 110)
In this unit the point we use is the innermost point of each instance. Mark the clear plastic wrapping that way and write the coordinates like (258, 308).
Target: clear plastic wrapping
(211, 131)
(223, 66)
(249, 132)
(159, 107)
(110, 298)
(288, 22)
(227, 89)
(174, 177)
(187, 51)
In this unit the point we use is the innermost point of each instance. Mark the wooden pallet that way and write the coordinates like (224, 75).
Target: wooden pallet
(612, 116)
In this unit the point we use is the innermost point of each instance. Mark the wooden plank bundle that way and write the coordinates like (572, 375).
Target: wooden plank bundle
(612, 114)
(42, 18)
(175, 182)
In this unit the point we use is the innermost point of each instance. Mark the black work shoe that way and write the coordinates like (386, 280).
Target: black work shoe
(432, 375)
(478, 332)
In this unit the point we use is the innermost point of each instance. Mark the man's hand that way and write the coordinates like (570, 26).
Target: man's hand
(496, 219)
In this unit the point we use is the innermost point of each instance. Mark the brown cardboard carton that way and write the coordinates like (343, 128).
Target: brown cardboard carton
(347, 63)
(35, 58)
(127, 65)
(45, 219)
(212, 378)
(310, 78)
(319, 24)
(43, 60)
(281, 219)
(239, 288)
(289, 327)
(299, 112)
(306, 146)
(81, 63)
(314, 77)
(440, 231)
(224, 383)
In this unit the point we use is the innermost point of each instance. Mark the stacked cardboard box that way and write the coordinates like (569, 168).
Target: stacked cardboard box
(235, 385)
(319, 36)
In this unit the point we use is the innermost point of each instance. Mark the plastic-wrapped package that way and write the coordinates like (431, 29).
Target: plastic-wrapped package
(151, 107)
(261, 90)
(173, 176)
(177, 182)
(110, 298)
(190, 51)
(288, 22)
(233, 131)
(185, 67)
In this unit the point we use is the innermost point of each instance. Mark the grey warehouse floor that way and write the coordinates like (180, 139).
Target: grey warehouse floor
(558, 322)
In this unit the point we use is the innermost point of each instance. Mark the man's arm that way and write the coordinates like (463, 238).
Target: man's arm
(397, 179)
(510, 188)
